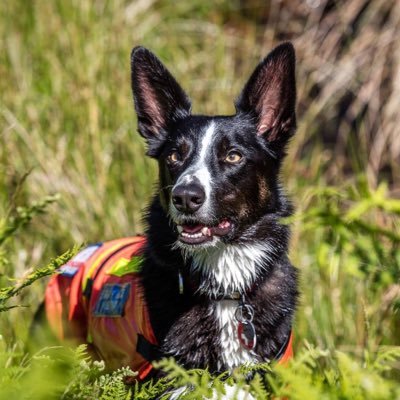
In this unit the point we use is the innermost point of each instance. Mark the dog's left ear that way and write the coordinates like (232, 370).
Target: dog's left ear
(159, 100)
(270, 94)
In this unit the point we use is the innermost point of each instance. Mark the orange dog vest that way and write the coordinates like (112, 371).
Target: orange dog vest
(97, 298)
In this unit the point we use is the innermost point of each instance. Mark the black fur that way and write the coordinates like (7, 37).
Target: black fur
(248, 194)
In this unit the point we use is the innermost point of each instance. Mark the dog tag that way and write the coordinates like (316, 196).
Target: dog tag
(247, 334)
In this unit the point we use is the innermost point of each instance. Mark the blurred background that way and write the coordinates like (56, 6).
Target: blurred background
(67, 120)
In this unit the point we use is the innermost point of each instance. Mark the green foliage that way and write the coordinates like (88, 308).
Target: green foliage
(18, 217)
(59, 373)
(353, 216)
(8, 292)
(89, 381)
(317, 374)
(23, 216)
(313, 374)
(14, 221)
(350, 265)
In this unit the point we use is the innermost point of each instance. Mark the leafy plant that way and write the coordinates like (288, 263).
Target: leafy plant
(6, 293)
(66, 115)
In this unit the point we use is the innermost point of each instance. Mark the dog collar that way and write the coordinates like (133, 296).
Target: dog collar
(226, 296)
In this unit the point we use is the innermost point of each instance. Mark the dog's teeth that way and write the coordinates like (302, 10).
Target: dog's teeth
(205, 231)
(179, 228)
(191, 235)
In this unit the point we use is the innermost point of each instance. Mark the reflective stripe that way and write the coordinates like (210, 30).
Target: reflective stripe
(103, 257)
(126, 266)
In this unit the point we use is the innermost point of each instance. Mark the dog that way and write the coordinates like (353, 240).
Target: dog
(210, 283)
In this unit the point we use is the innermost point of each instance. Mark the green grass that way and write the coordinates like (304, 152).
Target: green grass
(67, 120)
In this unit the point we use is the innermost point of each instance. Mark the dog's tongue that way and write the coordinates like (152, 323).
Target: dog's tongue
(222, 228)
(192, 228)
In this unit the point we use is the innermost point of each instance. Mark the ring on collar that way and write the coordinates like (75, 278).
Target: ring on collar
(244, 313)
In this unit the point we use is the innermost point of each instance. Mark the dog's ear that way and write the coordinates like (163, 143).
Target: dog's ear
(159, 100)
(270, 94)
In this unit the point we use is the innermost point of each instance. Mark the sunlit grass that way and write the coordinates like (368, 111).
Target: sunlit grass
(66, 115)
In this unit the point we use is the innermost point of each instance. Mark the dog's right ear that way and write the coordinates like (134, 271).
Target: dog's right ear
(159, 100)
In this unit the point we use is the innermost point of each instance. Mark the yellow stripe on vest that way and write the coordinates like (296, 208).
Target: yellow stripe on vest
(124, 266)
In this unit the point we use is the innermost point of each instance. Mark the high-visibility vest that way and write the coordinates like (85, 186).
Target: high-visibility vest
(97, 298)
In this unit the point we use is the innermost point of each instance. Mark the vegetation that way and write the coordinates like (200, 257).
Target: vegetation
(72, 170)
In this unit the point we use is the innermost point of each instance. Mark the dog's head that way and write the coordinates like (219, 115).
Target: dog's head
(218, 174)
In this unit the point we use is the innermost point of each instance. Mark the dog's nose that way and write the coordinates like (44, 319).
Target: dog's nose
(188, 198)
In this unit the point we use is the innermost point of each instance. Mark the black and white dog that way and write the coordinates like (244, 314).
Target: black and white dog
(215, 221)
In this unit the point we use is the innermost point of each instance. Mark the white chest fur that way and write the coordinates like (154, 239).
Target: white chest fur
(233, 353)
(228, 268)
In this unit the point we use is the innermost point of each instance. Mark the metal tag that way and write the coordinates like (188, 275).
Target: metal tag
(247, 334)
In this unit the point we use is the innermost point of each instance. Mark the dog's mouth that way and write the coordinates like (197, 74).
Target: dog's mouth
(197, 233)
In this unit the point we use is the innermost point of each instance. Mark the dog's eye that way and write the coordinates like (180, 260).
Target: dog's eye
(173, 157)
(233, 157)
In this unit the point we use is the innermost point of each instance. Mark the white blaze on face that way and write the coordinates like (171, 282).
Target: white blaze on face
(199, 169)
